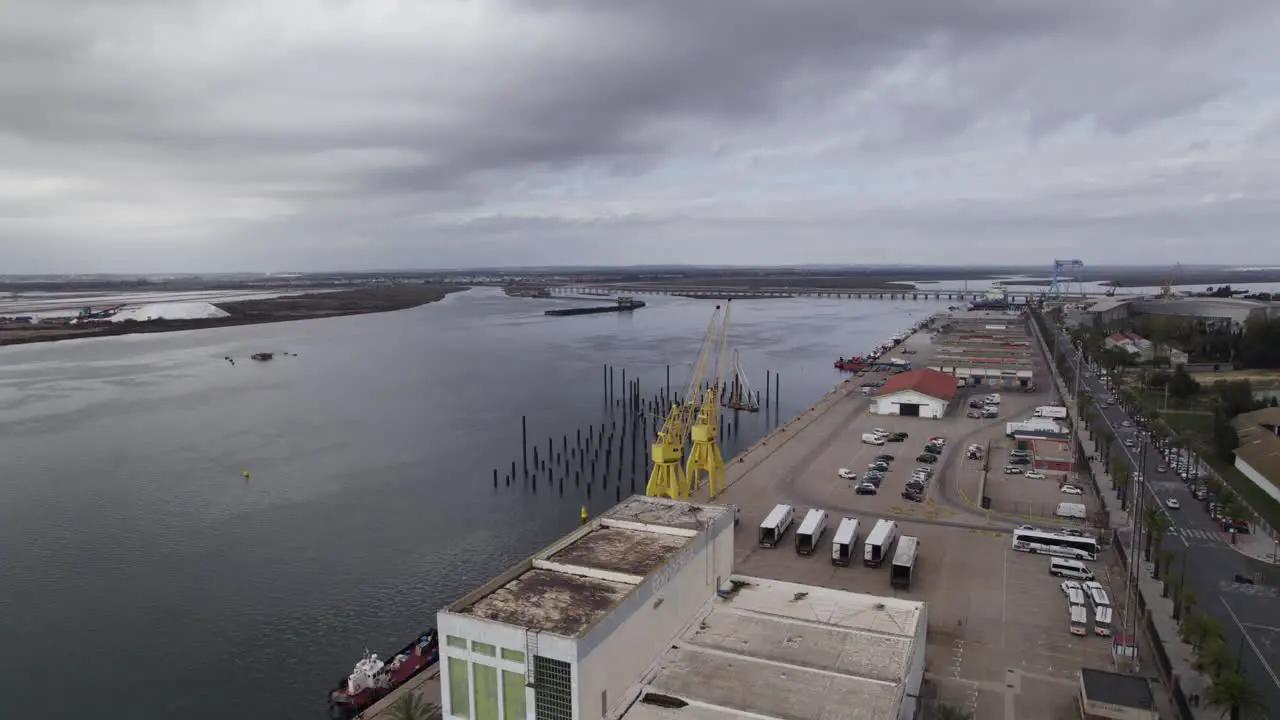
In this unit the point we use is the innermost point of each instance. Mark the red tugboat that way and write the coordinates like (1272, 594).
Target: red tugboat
(853, 364)
(372, 679)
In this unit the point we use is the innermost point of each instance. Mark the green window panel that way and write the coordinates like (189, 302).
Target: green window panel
(513, 695)
(457, 642)
(512, 655)
(483, 648)
(486, 682)
(459, 690)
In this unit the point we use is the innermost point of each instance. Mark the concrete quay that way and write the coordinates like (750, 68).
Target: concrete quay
(999, 644)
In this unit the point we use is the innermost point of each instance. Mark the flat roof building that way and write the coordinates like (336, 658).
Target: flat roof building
(1106, 695)
(1258, 456)
(773, 649)
(564, 634)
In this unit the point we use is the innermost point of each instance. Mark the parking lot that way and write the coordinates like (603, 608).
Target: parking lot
(998, 622)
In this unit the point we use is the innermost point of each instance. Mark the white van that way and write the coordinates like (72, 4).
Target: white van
(1079, 621)
(775, 525)
(1073, 569)
(872, 439)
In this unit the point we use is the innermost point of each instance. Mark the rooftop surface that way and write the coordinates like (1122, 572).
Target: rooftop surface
(774, 649)
(1116, 689)
(1259, 445)
(924, 381)
(565, 588)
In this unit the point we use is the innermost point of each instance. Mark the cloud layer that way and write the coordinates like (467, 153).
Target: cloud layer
(183, 135)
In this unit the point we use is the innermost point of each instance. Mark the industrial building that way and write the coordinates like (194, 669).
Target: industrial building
(985, 350)
(1052, 455)
(915, 393)
(637, 614)
(564, 634)
(1106, 695)
(773, 649)
(1233, 312)
(1258, 456)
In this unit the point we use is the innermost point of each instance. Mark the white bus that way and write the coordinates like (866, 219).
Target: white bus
(810, 532)
(1079, 620)
(844, 542)
(1097, 594)
(1036, 541)
(1075, 596)
(775, 525)
(1102, 620)
(876, 547)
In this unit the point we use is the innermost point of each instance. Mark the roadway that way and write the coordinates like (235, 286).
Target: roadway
(1249, 614)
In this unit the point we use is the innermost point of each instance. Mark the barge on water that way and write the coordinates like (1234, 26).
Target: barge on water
(372, 679)
(624, 304)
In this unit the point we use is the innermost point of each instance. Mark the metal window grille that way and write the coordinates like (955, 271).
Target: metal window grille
(553, 693)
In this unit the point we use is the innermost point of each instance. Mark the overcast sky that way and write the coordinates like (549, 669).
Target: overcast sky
(181, 135)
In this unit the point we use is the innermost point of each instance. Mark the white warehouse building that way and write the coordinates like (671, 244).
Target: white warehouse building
(563, 635)
(636, 615)
(916, 393)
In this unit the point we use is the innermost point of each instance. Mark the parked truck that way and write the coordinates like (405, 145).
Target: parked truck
(1051, 411)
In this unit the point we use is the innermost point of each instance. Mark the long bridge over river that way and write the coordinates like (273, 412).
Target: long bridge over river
(709, 292)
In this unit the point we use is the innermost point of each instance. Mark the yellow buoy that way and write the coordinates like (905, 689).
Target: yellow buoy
(245, 473)
(583, 515)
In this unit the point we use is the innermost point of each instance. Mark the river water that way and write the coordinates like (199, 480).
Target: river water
(141, 575)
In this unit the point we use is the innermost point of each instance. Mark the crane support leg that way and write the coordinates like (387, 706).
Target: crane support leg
(668, 478)
(705, 456)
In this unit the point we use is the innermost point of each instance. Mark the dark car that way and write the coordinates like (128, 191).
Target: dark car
(912, 496)
(895, 437)
(927, 458)
(865, 489)
(1244, 579)
(1019, 461)
(884, 458)
(933, 449)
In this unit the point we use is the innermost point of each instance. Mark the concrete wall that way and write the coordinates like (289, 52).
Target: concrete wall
(617, 651)
(1257, 478)
(502, 636)
(915, 669)
(929, 407)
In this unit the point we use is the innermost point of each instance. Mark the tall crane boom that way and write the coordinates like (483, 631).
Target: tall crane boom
(669, 477)
(705, 456)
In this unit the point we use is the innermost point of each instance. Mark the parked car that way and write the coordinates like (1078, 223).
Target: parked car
(1172, 504)
(1069, 585)
(1070, 490)
(1012, 470)
(927, 458)
(884, 458)
(847, 474)
(866, 489)
(1034, 475)
(973, 414)
(1019, 461)
(933, 449)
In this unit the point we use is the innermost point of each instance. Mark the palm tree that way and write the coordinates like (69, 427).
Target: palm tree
(1234, 694)
(953, 712)
(1120, 476)
(1199, 630)
(1184, 601)
(411, 706)
(1164, 558)
(1215, 659)
(1156, 524)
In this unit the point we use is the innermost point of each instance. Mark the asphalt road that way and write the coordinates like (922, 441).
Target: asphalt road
(1249, 614)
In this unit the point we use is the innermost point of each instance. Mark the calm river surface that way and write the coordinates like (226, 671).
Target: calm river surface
(141, 576)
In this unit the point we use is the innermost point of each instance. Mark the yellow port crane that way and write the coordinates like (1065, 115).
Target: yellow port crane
(705, 455)
(669, 477)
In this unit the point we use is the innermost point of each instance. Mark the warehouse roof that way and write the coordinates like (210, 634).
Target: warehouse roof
(772, 649)
(1104, 686)
(924, 381)
(1259, 442)
(567, 587)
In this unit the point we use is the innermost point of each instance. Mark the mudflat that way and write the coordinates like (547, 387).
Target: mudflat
(365, 300)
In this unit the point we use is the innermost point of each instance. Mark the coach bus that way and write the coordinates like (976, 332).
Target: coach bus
(1048, 543)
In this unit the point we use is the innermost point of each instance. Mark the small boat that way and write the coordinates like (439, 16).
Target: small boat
(372, 679)
(262, 357)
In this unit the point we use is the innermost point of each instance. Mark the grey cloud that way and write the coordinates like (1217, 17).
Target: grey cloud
(438, 137)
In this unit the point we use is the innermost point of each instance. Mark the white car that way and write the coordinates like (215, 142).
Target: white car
(1013, 470)
(1172, 504)
(1069, 585)
(1071, 490)
(1126, 423)
(847, 474)
(1034, 475)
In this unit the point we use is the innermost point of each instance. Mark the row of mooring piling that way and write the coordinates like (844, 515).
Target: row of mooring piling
(614, 452)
